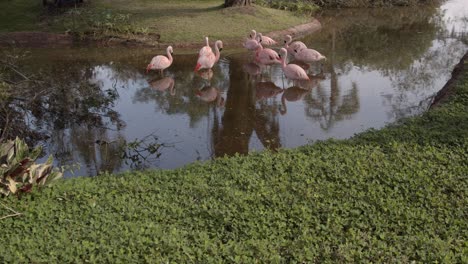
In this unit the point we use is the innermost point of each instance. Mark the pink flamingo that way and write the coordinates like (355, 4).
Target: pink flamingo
(161, 62)
(308, 55)
(264, 40)
(296, 45)
(206, 49)
(206, 60)
(292, 71)
(266, 56)
(251, 43)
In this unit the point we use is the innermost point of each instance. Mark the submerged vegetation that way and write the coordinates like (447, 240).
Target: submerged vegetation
(394, 195)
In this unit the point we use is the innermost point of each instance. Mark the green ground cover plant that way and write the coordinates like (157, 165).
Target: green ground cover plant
(397, 195)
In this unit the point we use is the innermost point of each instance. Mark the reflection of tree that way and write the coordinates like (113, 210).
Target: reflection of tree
(241, 116)
(62, 103)
(379, 39)
(331, 107)
(236, 128)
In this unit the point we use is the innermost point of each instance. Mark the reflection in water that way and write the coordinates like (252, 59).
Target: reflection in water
(210, 94)
(94, 103)
(292, 94)
(163, 84)
(265, 90)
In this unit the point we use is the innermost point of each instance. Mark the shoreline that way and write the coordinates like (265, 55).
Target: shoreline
(37, 39)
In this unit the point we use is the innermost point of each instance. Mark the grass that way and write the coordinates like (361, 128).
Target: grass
(396, 195)
(20, 15)
(174, 21)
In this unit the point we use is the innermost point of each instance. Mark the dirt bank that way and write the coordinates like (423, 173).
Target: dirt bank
(447, 90)
(46, 39)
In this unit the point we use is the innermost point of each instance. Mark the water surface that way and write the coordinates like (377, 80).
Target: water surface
(103, 111)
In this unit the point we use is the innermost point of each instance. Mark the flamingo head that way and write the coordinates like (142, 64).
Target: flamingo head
(148, 68)
(197, 67)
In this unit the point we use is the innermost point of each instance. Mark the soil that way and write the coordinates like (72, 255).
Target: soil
(448, 88)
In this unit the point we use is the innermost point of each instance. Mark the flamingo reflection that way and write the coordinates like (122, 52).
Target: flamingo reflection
(265, 90)
(210, 94)
(163, 84)
(292, 94)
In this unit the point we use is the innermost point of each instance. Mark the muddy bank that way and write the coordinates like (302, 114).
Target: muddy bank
(448, 88)
(46, 39)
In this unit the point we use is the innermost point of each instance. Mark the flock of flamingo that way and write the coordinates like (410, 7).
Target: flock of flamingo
(207, 58)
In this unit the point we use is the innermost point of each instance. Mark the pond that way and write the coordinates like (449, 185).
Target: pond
(101, 110)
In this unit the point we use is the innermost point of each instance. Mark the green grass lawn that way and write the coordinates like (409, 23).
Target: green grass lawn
(20, 15)
(175, 21)
(395, 195)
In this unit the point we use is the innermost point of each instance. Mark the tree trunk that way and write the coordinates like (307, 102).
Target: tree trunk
(229, 3)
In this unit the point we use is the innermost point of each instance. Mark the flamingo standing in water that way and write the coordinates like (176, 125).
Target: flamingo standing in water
(252, 42)
(266, 40)
(206, 49)
(308, 55)
(296, 45)
(266, 56)
(292, 71)
(161, 62)
(206, 59)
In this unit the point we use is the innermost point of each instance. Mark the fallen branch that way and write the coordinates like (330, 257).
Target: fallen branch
(10, 215)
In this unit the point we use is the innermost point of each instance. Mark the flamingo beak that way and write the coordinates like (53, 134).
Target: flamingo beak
(148, 68)
(220, 49)
(285, 42)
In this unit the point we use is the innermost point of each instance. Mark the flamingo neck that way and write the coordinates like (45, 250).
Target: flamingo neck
(169, 55)
(207, 42)
(288, 41)
(217, 53)
(283, 108)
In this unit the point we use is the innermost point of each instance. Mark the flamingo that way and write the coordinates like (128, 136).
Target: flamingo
(292, 71)
(308, 55)
(163, 84)
(206, 49)
(266, 56)
(161, 62)
(264, 40)
(251, 43)
(296, 45)
(206, 60)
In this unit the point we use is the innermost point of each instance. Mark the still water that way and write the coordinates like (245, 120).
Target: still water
(105, 113)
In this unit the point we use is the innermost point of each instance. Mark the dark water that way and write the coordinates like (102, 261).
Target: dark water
(102, 111)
